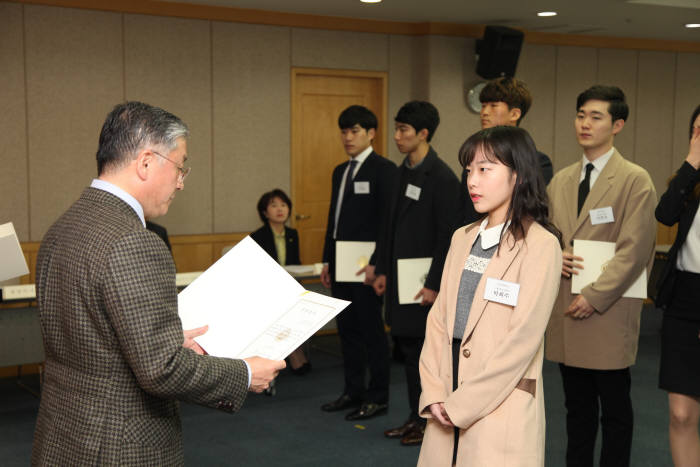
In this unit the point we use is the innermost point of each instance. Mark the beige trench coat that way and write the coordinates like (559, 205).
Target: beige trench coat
(499, 404)
(608, 339)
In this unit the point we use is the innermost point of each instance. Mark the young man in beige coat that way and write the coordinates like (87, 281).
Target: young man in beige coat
(593, 335)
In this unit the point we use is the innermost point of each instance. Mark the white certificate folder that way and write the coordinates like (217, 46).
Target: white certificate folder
(253, 306)
(350, 257)
(13, 263)
(596, 256)
(412, 273)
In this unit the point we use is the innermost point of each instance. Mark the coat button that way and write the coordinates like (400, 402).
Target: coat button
(466, 353)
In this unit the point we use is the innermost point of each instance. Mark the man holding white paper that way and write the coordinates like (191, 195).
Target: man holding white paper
(425, 210)
(116, 358)
(594, 334)
(362, 187)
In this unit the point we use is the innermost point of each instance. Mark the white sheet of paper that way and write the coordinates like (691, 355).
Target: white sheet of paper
(300, 270)
(13, 263)
(411, 273)
(595, 256)
(245, 297)
(350, 257)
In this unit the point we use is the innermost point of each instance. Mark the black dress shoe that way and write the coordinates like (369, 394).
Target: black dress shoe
(414, 437)
(367, 410)
(400, 431)
(341, 403)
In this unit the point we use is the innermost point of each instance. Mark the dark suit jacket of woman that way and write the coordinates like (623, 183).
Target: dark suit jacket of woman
(265, 238)
(418, 229)
(676, 205)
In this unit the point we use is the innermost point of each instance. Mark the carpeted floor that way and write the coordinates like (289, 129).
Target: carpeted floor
(290, 430)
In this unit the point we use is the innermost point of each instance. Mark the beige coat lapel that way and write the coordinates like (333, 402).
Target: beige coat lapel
(497, 267)
(600, 188)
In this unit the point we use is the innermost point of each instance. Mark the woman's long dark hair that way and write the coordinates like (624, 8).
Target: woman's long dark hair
(696, 189)
(513, 147)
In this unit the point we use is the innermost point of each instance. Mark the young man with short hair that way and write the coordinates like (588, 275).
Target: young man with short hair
(504, 101)
(425, 210)
(362, 187)
(594, 335)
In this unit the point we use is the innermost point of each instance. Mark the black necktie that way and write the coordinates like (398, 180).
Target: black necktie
(584, 187)
(348, 178)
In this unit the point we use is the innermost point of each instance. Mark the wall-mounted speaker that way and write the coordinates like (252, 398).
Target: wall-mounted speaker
(498, 52)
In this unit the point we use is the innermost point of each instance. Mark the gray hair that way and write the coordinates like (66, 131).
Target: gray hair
(132, 126)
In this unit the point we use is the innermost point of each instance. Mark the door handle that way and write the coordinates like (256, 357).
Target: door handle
(302, 217)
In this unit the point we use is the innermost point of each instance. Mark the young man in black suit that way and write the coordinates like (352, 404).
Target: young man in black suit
(504, 101)
(362, 187)
(425, 210)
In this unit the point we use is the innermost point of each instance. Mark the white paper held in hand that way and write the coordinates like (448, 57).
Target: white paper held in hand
(13, 263)
(596, 256)
(253, 306)
(350, 257)
(411, 274)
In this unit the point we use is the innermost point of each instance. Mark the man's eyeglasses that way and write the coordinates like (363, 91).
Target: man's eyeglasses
(183, 172)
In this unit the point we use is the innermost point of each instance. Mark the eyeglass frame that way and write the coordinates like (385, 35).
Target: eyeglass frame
(183, 171)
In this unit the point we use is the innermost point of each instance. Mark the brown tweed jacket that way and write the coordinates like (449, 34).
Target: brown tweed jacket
(115, 364)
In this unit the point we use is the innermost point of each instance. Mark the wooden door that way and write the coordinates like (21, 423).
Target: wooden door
(318, 98)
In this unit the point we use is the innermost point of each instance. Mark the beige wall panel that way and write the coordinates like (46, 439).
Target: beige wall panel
(251, 120)
(654, 135)
(14, 184)
(452, 66)
(537, 68)
(317, 48)
(402, 63)
(619, 68)
(687, 98)
(74, 77)
(420, 81)
(576, 71)
(168, 64)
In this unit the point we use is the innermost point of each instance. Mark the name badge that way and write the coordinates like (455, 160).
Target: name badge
(413, 192)
(601, 215)
(361, 188)
(501, 291)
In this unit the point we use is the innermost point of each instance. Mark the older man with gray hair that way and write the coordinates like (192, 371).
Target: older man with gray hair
(116, 359)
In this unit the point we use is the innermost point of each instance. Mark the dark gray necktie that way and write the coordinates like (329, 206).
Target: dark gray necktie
(348, 178)
(584, 187)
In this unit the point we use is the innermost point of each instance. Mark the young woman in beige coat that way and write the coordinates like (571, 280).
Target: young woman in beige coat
(481, 364)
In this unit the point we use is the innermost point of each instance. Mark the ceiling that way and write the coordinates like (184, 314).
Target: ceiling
(654, 19)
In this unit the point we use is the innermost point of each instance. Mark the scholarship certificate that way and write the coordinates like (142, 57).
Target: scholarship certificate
(253, 307)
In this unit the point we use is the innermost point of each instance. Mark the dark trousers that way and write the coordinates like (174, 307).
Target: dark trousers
(583, 389)
(363, 342)
(411, 347)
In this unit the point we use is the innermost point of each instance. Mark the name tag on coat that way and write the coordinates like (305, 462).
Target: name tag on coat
(601, 215)
(501, 291)
(361, 188)
(413, 192)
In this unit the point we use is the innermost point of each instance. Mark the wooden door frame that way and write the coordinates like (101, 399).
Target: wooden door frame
(380, 146)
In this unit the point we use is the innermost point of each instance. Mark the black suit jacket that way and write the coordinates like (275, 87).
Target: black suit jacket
(363, 217)
(265, 238)
(470, 214)
(676, 205)
(418, 229)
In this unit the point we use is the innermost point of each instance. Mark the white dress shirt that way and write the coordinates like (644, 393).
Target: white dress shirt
(689, 254)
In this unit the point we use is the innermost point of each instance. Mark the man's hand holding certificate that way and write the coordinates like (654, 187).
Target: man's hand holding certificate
(252, 306)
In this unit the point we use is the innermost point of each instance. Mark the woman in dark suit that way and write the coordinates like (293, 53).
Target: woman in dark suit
(282, 243)
(679, 296)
